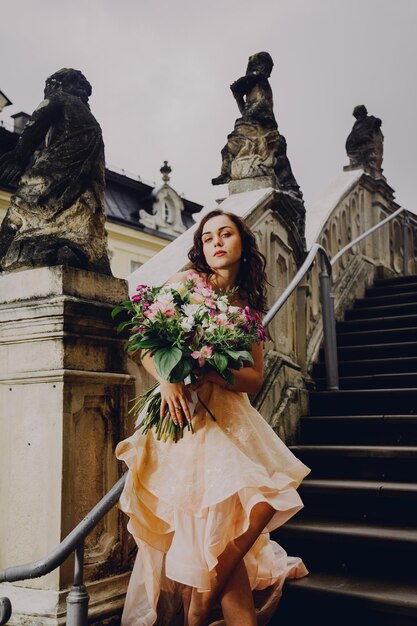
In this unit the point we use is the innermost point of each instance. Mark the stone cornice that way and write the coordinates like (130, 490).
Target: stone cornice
(67, 375)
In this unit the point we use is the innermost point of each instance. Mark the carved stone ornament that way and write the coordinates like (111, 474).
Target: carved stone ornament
(56, 216)
(364, 145)
(255, 148)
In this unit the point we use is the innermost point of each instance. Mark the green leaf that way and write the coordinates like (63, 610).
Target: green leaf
(131, 347)
(147, 342)
(165, 360)
(123, 325)
(240, 355)
(124, 306)
(220, 362)
(117, 310)
(181, 371)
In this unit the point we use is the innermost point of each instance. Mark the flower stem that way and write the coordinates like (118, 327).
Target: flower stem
(206, 407)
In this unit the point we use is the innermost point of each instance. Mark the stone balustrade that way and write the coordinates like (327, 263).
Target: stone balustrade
(354, 204)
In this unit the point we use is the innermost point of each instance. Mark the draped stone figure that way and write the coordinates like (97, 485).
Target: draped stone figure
(56, 216)
(255, 148)
(364, 145)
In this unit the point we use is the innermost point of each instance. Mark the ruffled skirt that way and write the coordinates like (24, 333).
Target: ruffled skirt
(187, 500)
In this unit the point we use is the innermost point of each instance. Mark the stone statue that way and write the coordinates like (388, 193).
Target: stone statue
(364, 145)
(255, 148)
(56, 216)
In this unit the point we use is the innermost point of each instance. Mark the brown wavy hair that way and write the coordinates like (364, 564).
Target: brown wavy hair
(251, 279)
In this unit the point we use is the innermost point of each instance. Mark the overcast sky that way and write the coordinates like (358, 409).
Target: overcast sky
(161, 71)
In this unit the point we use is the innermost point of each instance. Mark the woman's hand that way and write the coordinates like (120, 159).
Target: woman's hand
(175, 396)
(248, 379)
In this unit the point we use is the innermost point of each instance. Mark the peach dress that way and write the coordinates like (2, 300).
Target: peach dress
(187, 500)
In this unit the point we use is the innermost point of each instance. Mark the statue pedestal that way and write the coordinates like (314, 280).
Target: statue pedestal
(250, 184)
(63, 392)
(372, 171)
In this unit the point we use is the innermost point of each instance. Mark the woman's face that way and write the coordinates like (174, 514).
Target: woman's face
(222, 244)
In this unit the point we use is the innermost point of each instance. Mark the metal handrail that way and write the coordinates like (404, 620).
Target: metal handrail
(295, 282)
(327, 307)
(77, 600)
(55, 558)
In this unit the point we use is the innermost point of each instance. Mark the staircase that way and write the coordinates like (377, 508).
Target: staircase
(358, 531)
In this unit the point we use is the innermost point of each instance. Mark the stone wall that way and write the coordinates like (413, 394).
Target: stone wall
(64, 390)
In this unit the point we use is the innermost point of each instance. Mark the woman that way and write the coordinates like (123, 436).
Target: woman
(200, 509)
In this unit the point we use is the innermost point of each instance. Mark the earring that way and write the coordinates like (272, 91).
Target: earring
(244, 259)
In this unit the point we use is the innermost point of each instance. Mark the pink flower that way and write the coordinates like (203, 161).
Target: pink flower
(164, 304)
(206, 291)
(222, 320)
(261, 333)
(206, 352)
(196, 298)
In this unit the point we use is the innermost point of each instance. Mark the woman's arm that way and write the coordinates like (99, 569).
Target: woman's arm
(173, 395)
(247, 379)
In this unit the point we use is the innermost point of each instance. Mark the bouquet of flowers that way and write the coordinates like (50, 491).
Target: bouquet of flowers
(186, 326)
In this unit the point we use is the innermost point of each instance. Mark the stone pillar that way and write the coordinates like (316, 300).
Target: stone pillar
(63, 393)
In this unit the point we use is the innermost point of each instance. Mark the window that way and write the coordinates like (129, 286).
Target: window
(167, 213)
(135, 265)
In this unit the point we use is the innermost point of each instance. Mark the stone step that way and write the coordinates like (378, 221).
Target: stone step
(374, 381)
(364, 402)
(381, 311)
(342, 462)
(382, 350)
(387, 299)
(377, 336)
(323, 599)
(391, 288)
(358, 429)
(352, 548)
(375, 501)
(369, 366)
(375, 323)
(396, 280)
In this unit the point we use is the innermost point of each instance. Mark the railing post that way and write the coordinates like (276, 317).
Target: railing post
(5, 610)
(406, 249)
(329, 326)
(77, 599)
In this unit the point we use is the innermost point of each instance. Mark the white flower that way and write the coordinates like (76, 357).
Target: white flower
(222, 305)
(187, 323)
(190, 309)
(179, 288)
(164, 300)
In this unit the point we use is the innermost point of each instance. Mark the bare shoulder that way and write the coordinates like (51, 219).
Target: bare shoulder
(180, 277)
